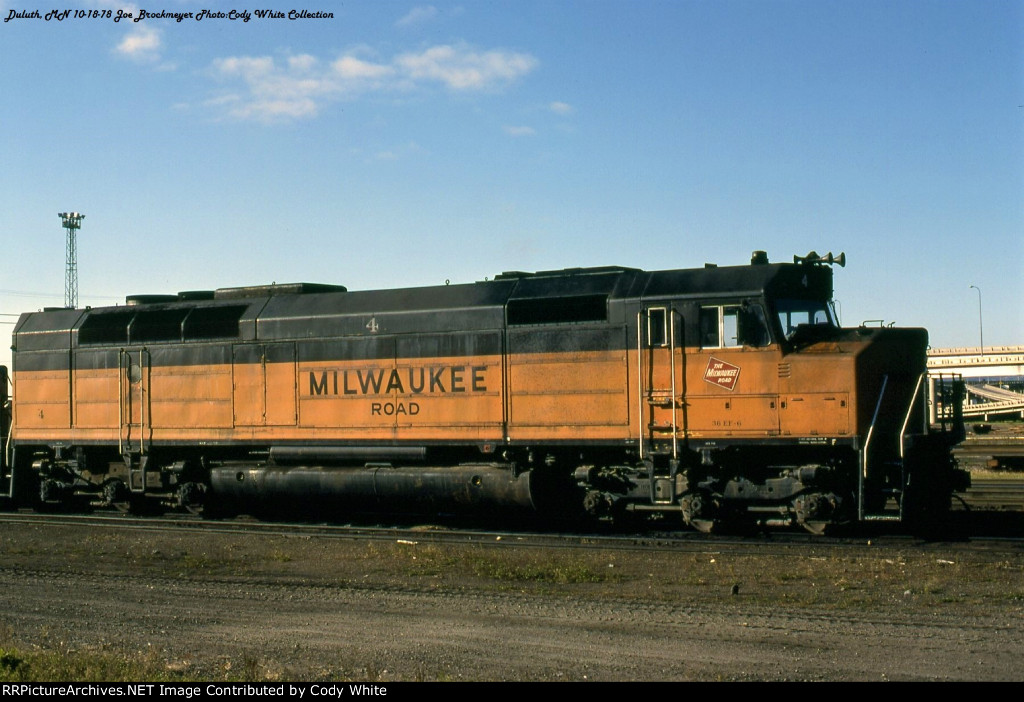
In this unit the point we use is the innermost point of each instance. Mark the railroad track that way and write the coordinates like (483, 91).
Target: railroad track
(991, 492)
(1000, 446)
(401, 533)
(992, 509)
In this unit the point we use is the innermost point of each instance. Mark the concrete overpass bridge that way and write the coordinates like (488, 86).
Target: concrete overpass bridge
(994, 377)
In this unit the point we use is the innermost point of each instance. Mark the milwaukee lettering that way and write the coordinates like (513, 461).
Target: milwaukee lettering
(413, 381)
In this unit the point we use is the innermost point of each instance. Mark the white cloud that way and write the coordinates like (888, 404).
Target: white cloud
(298, 86)
(275, 92)
(248, 67)
(349, 67)
(560, 108)
(462, 69)
(142, 43)
(302, 62)
(520, 131)
(269, 110)
(418, 15)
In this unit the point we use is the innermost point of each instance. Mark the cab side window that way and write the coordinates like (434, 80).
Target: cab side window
(657, 327)
(732, 326)
(753, 326)
(709, 328)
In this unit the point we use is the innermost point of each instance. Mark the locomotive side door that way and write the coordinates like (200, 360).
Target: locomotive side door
(734, 374)
(661, 383)
(263, 384)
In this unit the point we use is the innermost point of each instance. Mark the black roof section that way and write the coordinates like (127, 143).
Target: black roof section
(307, 310)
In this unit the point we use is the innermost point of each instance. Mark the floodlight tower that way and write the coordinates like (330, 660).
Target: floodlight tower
(72, 222)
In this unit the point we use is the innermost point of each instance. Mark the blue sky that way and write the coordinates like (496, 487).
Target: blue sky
(404, 143)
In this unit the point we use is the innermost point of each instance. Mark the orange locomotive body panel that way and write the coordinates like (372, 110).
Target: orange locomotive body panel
(443, 399)
(733, 393)
(757, 393)
(45, 411)
(550, 397)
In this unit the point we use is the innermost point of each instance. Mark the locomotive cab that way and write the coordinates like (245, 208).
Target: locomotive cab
(786, 417)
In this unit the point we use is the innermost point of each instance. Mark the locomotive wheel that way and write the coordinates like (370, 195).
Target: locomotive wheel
(192, 497)
(53, 496)
(117, 495)
(697, 509)
(818, 528)
(821, 514)
(827, 527)
(129, 505)
(706, 526)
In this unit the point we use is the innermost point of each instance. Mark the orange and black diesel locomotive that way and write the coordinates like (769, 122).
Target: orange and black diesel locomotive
(725, 395)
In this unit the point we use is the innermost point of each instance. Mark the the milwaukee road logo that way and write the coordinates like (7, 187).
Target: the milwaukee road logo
(724, 375)
(431, 380)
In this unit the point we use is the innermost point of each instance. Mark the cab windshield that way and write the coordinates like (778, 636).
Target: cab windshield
(795, 313)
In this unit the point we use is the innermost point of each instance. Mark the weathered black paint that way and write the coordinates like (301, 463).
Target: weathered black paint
(393, 326)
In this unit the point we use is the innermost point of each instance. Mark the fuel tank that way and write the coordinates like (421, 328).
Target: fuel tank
(468, 488)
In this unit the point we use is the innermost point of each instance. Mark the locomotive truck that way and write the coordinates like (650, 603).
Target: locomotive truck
(722, 395)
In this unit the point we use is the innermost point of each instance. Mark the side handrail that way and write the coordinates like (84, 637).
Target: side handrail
(864, 451)
(124, 363)
(120, 402)
(906, 418)
(871, 429)
(143, 400)
(640, 381)
(6, 437)
(671, 317)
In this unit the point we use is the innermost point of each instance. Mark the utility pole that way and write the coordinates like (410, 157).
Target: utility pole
(981, 323)
(72, 222)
